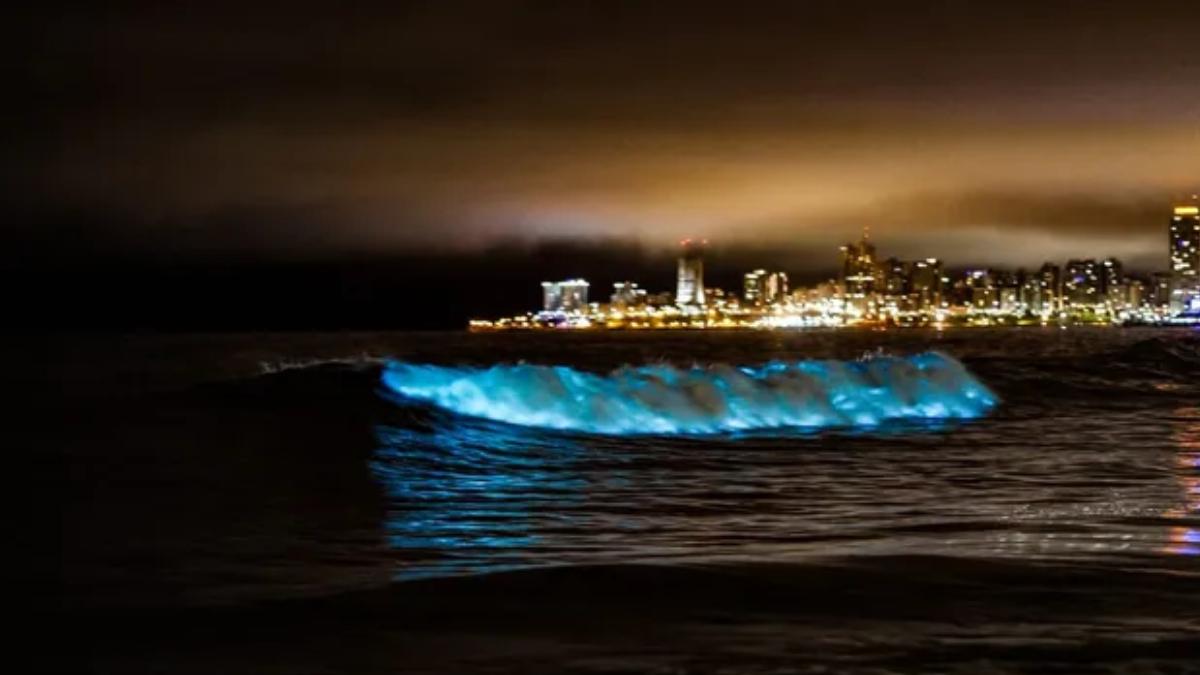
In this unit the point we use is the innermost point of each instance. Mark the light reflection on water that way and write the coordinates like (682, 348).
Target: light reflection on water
(471, 496)
(463, 495)
(1185, 539)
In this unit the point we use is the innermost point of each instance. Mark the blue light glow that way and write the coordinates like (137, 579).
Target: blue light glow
(471, 496)
(662, 399)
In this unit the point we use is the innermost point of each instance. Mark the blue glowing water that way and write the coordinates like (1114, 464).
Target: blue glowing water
(720, 398)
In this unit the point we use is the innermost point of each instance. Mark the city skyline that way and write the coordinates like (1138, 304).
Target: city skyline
(303, 170)
(870, 289)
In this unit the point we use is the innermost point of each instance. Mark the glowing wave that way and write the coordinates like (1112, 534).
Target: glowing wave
(661, 399)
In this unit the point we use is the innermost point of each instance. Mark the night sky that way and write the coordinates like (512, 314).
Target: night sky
(194, 164)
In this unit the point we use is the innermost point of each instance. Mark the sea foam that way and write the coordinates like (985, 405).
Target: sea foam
(719, 398)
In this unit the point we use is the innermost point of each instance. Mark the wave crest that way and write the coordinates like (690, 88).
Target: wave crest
(662, 399)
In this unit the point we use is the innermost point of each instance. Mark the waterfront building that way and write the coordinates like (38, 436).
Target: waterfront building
(859, 275)
(925, 283)
(1112, 275)
(1135, 293)
(1112, 282)
(764, 288)
(899, 293)
(1008, 292)
(895, 278)
(1184, 247)
(660, 299)
(689, 284)
(1049, 279)
(1029, 293)
(627, 295)
(570, 295)
(1185, 242)
(1009, 300)
(1081, 283)
(981, 290)
(1160, 290)
(777, 287)
(752, 287)
(716, 298)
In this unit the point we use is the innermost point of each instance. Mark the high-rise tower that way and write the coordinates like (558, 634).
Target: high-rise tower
(860, 274)
(1184, 247)
(689, 285)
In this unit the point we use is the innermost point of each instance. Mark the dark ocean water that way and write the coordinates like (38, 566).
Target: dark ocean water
(263, 503)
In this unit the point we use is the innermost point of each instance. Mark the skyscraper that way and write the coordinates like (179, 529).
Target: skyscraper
(859, 274)
(1185, 242)
(689, 285)
(1184, 247)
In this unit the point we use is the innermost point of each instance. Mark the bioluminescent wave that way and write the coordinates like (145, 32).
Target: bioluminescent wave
(662, 399)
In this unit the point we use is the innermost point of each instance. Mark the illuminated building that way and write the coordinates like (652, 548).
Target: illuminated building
(891, 292)
(1160, 290)
(925, 283)
(1185, 257)
(1185, 242)
(689, 284)
(626, 294)
(661, 299)
(1112, 282)
(777, 287)
(1135, 293)
(1081, 283)
(764, 288)
(982, 290)
(570, 295)
(1008, 292)
(858, 276)
(895, 278)
(1009, 298)
(752, 287)
(1049, 279)
(1029, 292)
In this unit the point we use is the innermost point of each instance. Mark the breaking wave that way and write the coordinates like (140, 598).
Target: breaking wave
(662, 399)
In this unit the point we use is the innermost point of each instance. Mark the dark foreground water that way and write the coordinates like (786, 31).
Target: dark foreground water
(263, 503)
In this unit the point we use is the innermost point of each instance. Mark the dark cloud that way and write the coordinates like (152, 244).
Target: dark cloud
(994, 131)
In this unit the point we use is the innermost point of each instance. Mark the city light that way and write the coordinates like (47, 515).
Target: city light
(874, 292)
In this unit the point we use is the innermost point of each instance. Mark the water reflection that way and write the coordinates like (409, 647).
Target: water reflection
(469, 496)
(1184, 538)
(465, 494)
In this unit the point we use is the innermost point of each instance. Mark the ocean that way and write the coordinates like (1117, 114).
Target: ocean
(967, 501)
